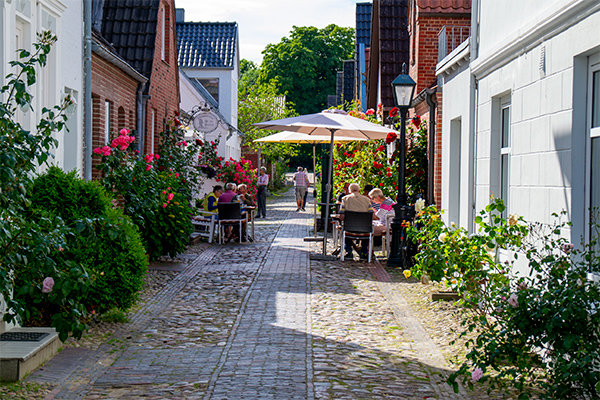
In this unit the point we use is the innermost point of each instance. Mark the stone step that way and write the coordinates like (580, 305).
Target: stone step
(18, 358)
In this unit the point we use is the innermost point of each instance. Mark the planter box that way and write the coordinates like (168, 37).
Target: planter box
(18, 358)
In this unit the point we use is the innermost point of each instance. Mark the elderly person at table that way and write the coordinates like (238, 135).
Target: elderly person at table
(244, 197)
(210, 201)
(355, 202)
(384, 208)
(230, 195)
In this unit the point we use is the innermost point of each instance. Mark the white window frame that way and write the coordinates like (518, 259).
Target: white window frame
(592, 132)
(505, 152)
(107, 117)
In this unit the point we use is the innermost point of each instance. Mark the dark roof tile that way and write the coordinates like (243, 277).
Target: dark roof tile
(206, 44)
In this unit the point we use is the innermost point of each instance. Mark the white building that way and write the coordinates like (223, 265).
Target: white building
(20, 21)
(521, 112)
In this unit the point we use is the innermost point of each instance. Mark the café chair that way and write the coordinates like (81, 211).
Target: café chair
(358, 225)
(230, 215)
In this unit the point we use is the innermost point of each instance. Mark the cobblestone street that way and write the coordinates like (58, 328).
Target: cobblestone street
(257, 321)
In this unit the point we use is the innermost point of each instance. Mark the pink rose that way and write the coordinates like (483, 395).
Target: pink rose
(124, 132)
(513, 300)
(148, 167)
(47, 285)
(567, 247)
(106, 151)
(148, 158)
(164, 205)
(176, 174)
(164, 192)
(184, 143)
(477, 374)
(156, 156)
(97, 150)
(170, 196)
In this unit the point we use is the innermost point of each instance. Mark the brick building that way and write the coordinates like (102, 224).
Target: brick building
(115, 89)
(435, 27)
(141, 33)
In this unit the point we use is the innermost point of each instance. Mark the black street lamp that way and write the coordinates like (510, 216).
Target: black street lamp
(404, 89)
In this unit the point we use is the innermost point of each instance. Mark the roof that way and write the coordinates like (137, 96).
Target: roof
(207, 44)
(107, 52)
(130, 26)
(444, 6)
(363, 23)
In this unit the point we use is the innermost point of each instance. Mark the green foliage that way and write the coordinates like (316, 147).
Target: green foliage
(107, 243)
(239, 172)
(305, 64)
(535, 333)
(28, 248)
(156, 190)
(115, 315)
(248, 75)
(258, 103)
(368, 162)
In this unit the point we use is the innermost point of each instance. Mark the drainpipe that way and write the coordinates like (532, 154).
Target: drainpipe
(431, 101)
(140, 102)
(87, 89)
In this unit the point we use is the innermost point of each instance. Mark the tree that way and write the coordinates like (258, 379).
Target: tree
(259, 103)
(305, 64)
(248, 74)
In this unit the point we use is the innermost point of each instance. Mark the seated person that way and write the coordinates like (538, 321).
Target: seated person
(366, 191)
(244, 197)
(355, 202)
(210, 201)
(230, 196)
(384, 207)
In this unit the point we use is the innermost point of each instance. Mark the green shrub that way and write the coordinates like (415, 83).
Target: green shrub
(107, 243)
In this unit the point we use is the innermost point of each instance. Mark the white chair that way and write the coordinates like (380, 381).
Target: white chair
(387, 238)
(204, 225)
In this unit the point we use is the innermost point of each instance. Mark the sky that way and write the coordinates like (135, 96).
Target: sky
(261, 22)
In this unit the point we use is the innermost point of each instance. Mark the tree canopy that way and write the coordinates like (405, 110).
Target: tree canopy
(305, 65)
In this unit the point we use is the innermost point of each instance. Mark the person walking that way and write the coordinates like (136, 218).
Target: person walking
(300, 183)
(261, 197)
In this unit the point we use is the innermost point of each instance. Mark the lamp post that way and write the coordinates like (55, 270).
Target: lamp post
(404, 88)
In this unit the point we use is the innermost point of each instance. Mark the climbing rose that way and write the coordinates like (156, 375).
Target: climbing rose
(513, 301)
(106, 151)
(97, 150)
(391, 137)
(47, 285)
(370, 111)
(124, 132)
(477, 374)
(416, 121)
(394, 112)
(148, 158)
(148, 167)
(567, 247)
(170, 196)
(164, 205)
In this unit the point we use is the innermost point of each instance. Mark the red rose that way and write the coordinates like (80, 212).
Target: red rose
(394, 112)
(199, 142)
(391, 137)
(416, 121)
(370, 111)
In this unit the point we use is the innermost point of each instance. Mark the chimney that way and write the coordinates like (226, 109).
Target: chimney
(179, 15)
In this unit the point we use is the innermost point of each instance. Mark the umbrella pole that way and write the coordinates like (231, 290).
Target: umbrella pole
(328, 192)
(315, 186)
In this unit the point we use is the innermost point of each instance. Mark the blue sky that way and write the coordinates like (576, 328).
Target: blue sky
(266, 21)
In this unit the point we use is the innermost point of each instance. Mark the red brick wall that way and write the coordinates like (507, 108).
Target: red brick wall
(424, 47)
(164, 81)
(109, 83)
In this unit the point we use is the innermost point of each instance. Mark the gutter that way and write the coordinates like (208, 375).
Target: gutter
(117, 62)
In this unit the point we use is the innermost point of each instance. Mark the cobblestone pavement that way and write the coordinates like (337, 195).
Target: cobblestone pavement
(258, 321)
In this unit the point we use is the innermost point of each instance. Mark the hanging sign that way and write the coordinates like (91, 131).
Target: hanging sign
(206, 122)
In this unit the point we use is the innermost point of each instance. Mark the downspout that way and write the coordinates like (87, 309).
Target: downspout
(430, 98)
(87, 89)
(474, 109)
(140, 102)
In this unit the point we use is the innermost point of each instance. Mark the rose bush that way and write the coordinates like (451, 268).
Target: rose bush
(163, 219)
(28, 248)
(239, 172)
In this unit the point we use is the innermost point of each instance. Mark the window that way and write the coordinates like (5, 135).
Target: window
(211, 85)
(107, 118)
(504, 155)
(594, 144)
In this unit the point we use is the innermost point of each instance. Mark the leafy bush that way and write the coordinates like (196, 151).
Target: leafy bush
(533, 333)
(239, 172)
(108, 244)
(28, 249)
(155, 194)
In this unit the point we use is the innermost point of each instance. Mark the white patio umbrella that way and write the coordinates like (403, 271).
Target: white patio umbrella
(303, 138)
(332, 123)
